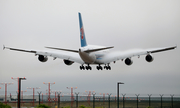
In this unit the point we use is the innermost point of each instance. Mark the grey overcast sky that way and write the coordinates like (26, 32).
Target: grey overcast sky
(125, 24)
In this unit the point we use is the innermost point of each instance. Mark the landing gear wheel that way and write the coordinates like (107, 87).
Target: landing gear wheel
(82, 67)
(88, 67)
(107, 67)
(99, 67)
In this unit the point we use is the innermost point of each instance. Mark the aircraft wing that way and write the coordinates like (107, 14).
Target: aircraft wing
(58, 54)
(115, 56)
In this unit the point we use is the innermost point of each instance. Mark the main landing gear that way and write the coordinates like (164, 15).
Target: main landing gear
(99, 67)
(85, 67)
(105, 67)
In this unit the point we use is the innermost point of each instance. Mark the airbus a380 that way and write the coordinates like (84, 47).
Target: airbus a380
(92, 54)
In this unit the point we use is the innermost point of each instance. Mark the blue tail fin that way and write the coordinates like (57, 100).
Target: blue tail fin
(82, 34)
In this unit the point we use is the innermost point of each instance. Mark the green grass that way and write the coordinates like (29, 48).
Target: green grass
(42, 106)
(4, 105)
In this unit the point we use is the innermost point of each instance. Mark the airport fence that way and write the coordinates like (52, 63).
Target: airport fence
(93, 101)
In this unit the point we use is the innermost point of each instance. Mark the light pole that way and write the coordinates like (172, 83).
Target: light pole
(6, 84)
(77, 99)
(93, 99)
(149, 99)
(33, 92)
(22, 94)
(123, 100)
(72, 95)
(49, 91)
(171, 101)
(161, 99)
(19, 90)
(109, 98)
(39, 96)
(58, 99)
(118, 93)
(55, 92)
(137, 95)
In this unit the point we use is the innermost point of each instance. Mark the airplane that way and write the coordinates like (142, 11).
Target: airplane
(92, 54)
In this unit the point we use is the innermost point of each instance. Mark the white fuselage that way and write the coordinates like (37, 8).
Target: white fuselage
(92, 57)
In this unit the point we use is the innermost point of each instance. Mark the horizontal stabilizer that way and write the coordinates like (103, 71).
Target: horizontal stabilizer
(99, 49)
(87, 51)
(62, 49)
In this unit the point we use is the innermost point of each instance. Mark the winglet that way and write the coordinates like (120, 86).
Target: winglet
(4, 47)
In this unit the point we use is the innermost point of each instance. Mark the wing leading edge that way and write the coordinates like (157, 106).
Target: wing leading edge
(67, 56)
(161, 49)
(72, 55)
(115, 56)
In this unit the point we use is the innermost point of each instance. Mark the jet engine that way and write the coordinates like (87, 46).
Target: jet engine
(67, 62)
(149, 58)
(128, 61)
(42, 58)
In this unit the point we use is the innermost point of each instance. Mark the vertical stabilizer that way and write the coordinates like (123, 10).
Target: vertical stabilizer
(82, 34)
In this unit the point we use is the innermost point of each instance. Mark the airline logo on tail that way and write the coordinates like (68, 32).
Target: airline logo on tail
(82, 33)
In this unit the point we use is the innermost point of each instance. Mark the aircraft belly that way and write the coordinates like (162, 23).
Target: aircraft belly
(87, 58)
(98, 62)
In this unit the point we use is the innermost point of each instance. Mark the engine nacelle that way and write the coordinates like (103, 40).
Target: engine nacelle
(128, 61)
(42, 58)
(67, 62)
(149, 58)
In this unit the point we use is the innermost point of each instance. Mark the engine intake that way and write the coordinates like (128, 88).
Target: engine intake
(67, 62)
(128, 61)
(149, 58)
(42, 58)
